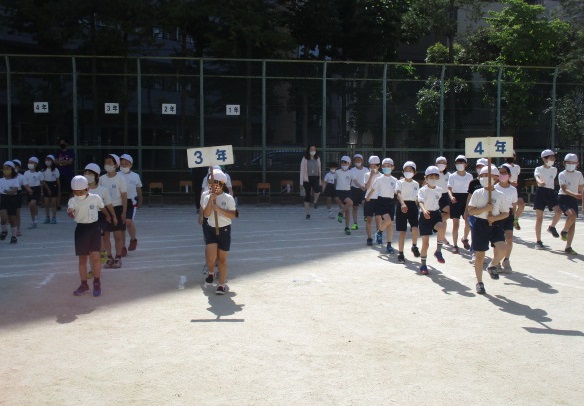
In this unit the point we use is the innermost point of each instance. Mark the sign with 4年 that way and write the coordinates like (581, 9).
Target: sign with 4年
(489, 147)
(41, 107)
(209, 156)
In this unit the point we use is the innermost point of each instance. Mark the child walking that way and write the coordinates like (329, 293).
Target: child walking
(328, 183)
(458, 191)
(514, 180)
(32, 185)
(571, 190)
(219, 209)
(385, 208)
(430, 216)
(9, 195)
(371, 203)
(83, 208)
(134, 184)
(472, 186)
(488, 227)
(407, 194)
(357, 188)
(442, 165)
(545, 196)
(21, 190)
(510, 204)
(343, 190)
(51, 188)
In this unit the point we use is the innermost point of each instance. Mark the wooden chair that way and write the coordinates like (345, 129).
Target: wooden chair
(186, 187)
(287, 191)
(237, 186)
(156, 190)
(264, 193)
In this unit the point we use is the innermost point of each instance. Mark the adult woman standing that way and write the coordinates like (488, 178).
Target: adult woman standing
(310, 175)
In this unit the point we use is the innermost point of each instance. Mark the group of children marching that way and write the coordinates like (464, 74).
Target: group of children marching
(489, 205)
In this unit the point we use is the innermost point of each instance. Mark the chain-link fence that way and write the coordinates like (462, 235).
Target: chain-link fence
(155, 108)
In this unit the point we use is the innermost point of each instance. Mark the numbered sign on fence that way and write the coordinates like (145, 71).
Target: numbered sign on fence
(41, 107)
(208, 156)
(233, 109)
(112, 108)
(168, 108)
(489, 147)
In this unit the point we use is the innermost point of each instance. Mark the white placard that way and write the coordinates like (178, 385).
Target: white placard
(168, 108)
(208, 156)
(112, 108)
(232, 109)
(489, 147)
(41, 107)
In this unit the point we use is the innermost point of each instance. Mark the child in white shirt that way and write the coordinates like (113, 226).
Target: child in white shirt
(571, 190)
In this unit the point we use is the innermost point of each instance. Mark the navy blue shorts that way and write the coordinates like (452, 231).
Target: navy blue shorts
(567, 202)
(87, 238)
(385, 205)
(483, 235)
(344, 195)
(357, 195)
(427, 225)
(369, 208)
(130, 210)
(545, 197)
(223, 240)
(457, 209)
(329, 190)
(10, 204)
(54, 189)
(121, 226)
(507, 224)
(36, 194)
(444, 201)
(402, 219)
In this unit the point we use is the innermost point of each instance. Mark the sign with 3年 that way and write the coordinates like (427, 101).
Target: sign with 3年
(208, 156)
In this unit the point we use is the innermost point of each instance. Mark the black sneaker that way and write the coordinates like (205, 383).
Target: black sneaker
(481, 288)
(315, 205)
(209, 278)
(369, 242)
(3, 235)
(109, 263)
(401, 259)
(553, 231)
(96, 289)
(415, 251)
(81, 290)
(13, 240)
(308, 217)
(539, 246)
(221, 290)
(117, 263)
(347, 231)
(492, 270)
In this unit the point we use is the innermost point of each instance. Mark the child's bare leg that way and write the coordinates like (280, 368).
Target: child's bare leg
(519, 208)
(570, 220)
(355, 214)
(478, 266)
(118, 238)
(402, 240)
(95, 262)
(425, 245)
(498, 253)
(369, 226)
(538, 223)
(222, 265)
(509, 242)
(455, 225)
(83, 267)
(557, 215)
(441, 228)
(329, 203)
(415, 233)
(389, 229)
(571, 232)
(211, 257)
(347, 211)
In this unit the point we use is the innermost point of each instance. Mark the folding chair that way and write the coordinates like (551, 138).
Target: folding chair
(237, 186)
(186, 187)
(264, 193)
(286, 191)
(156, 190)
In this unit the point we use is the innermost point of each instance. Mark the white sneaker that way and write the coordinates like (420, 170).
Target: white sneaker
(331, 215)
(507, 266)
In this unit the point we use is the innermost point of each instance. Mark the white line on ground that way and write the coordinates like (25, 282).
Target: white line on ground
(46, 280)
(181, 282)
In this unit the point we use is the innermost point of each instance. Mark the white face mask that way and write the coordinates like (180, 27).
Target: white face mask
(125, 170)
(441, 167)
(460, 167)
(109, 168)
(431, 182)
(312, 153)
(344, 167)
(484, 181)
(31, 166)
(333, 170)
(408, 175)
(80, 198)
(549, 163)
(90, 178)
(49, 163)
(358, 164)
(570, 167)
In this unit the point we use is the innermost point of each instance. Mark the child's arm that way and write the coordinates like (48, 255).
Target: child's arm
(112, 212)
(124, 205)
(368, 197)
(404, 207)
(501, 216)
(567, 191)
(139, 199)
(106, 214)
(230, 214)
(475, 211)
(424, 211)
(452, 198)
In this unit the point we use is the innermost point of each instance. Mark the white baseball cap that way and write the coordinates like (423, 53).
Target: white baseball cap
(115, 157)
(218, 175)
(432, 170)
(357, 156)
(461, 158)
(387, 161)
(547, 152)
(9, 163)
(571, 158)
(374, 159)
(441, 158)
(51, 156)
(93, 168)
(34, 159)
(345, 158)
(79, 183)
(127, 158)
(17, 161)
(494, 170)
(410, 163)
(482, 161)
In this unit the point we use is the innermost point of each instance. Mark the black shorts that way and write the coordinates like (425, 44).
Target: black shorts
(369, 208)
(385, 205)
(444, 201)
(10, 203)
(402, 219)
(344, 195)
(102, 222)
(545, 197)
(568, 202)
(36, 194)
(329, 190)
(87, 239)
(223, 240)
(483, 234)
(427, 225)
(53, 187)
(312, 184)
(121, 226)
(457, 209)
(357, 195)
(507, 223)
(130, 210)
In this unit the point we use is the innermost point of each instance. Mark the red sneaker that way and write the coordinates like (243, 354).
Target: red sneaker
(133, 245)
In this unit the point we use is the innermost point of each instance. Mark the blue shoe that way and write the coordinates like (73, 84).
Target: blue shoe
(379, 237)
(81, 290)
(96, 289)
(439, 257)
(389, 248)
(54, 220)
(424, 270)
(47, 220)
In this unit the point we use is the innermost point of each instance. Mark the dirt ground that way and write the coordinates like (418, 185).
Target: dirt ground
(313, 317)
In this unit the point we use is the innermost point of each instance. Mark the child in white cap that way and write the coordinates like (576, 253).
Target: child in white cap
(328, 186)
(514, 180)
(442, 165)
(84, 207)
(343, 189)
(118, 188)
(358, 188)
(385, 186)
(219, 210)
(509, 203)
(458, 192)
(488, 227)
(407, 194)
(32, 185)
(474, 184)
(430, 216)
(571, 190)
(134, 184)
(51, 189)
(370, 204)
(545, 196)
(20, 177)
(9, 189)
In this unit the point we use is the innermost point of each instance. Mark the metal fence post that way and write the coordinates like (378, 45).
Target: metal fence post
(384, 113)
(554, 88)
(324, 118)
(8, 105)
(441, 120)
(201, 105)
(499, 90)
(139, 108)
(264, 121)
(75, 114)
